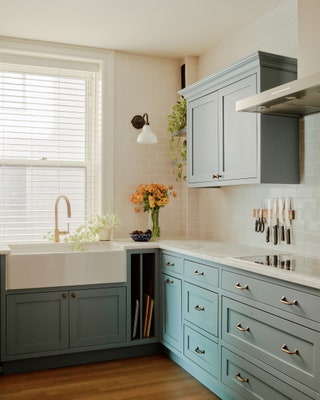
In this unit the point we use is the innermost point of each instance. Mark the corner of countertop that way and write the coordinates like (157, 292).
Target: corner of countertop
(4, 249)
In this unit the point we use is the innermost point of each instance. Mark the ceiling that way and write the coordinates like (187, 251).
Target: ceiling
(169, 28)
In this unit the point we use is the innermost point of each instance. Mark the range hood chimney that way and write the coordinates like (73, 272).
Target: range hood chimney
(302, 96)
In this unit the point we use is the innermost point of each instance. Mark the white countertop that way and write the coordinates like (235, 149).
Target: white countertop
(307, 273)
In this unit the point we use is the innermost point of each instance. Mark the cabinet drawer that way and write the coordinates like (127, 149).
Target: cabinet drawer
(201, 308)
(284, 298)
(288, 347)
(171, 264)
(253, 383)
(201, 273)
(202, 351)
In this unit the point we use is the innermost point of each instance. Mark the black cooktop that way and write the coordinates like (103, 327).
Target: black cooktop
(283, 261)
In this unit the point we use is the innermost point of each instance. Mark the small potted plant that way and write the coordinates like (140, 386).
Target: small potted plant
(98, 227)
(177, 121)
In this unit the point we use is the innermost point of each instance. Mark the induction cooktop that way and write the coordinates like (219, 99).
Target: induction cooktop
(286, 262)
(283, 261)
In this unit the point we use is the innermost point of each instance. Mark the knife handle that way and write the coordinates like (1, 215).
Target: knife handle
(288, 236)
(282, 233)
(268, 234)
(275, 234)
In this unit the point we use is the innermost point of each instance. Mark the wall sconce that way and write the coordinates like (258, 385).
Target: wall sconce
(146, 136)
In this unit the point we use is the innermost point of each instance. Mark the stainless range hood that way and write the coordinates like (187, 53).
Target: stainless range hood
(297, 98)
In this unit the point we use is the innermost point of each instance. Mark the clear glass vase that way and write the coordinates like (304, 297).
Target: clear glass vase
(155, 223)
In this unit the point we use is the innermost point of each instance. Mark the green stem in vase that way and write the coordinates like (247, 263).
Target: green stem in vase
(155, 224)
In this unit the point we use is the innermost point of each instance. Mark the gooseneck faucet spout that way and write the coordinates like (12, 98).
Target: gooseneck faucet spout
(57, 232)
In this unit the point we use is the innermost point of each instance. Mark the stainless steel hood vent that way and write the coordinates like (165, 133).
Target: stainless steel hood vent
(296, 99)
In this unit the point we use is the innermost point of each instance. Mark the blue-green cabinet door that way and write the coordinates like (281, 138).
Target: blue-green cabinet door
(203, 161)
(238, 157)
(37, 322)
(97, 316)
(171, 314)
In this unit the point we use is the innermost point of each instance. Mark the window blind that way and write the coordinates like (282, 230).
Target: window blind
(48, 147)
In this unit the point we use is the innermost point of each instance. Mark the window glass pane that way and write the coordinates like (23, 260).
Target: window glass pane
(47, 148)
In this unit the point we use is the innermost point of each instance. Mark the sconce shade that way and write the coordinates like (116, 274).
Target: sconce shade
(146, 136)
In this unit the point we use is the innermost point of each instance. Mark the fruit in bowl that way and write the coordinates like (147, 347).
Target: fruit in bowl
(140, 236)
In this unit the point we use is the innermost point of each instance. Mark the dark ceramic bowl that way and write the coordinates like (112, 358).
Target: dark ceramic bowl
(141, 237)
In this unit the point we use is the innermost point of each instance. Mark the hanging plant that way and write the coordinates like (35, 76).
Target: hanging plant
(177, 121)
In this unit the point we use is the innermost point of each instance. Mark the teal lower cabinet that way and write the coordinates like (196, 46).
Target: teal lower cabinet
(171, 267)
(201, 308)
(97, 317)
(202, 350)
(37, 322)
(171, 314)
(250, 382)
(246, 336)
(288, 347)
(48, 322)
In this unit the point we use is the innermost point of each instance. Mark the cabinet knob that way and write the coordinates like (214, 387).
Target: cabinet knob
(170, 264)
(198, 273)
(239, 327)
(64, 295)
(197, 350)
(216, 176)
(285, 349)
(169, 281)
(238, 286)
(198, 308)
(73, 295)
(243, 380)
(284, 300)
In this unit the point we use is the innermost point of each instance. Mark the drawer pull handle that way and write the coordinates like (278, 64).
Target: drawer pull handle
(239, 327)
(285, 349)
(198, 308)
(198, 273)
(284, 300)
(197, 350)
(170, 264)
(169, 281)
(243, 380)
(216, 176)
(238, 286)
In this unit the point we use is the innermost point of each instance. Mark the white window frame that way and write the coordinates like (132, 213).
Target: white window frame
(74, 57)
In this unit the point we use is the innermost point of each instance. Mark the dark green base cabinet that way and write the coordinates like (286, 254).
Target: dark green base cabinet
(49, 321)
(55, 327)
(238, 336)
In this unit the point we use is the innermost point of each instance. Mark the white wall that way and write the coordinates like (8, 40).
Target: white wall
(144, 85)
(226, 214)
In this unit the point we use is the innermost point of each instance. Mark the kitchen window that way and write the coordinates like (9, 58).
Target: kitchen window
(49, 136)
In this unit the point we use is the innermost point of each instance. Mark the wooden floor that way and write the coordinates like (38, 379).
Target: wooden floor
(145, 378)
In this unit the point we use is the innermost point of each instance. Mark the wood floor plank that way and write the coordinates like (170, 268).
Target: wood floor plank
(145, 378)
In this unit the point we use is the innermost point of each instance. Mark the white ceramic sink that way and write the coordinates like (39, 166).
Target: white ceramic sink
(40, 265)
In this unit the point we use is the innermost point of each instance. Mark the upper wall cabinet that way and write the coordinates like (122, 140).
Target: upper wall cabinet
(226, 147)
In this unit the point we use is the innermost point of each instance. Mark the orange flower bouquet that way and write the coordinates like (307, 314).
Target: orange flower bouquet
(151, 197)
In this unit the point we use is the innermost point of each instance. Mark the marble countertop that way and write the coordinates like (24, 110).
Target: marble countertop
(306, 271)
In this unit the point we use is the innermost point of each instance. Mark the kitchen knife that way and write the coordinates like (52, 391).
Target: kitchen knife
(287, 220)
(268, 230)
(275, 222)
(281, 220)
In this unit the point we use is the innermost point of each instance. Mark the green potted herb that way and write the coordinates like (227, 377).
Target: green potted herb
(177, 122)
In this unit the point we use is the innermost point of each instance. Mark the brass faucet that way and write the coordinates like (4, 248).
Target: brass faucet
(57, 233)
